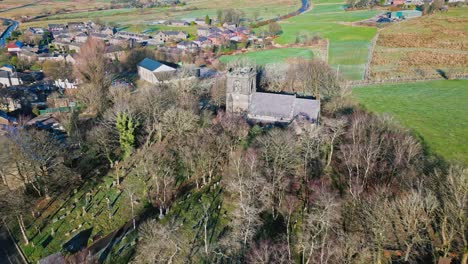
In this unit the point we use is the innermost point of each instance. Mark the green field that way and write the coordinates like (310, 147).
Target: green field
(270, 56)
(437, 111)
(349, 45)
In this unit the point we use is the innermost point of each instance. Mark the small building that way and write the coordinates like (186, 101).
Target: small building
(203, 42)
(81, 37)
(119, 41)
(56, 27)
(154, 71)
(76, 26)
(202, 22)
(14, 46)
(187, 45)
(405, 14)
(177, 23)
(8, 78)
(165, 36)
(231, 26)
(66, 84)
(36, 31)
(63, 38)
(76, 47)
(55, 57)
(27, 55)
(100, 36)
(108, 31)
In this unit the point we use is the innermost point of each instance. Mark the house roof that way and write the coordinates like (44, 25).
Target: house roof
(186, 43)
(15, 44)
(154, 66)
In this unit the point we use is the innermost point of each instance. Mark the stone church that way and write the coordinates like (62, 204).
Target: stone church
(242, 97)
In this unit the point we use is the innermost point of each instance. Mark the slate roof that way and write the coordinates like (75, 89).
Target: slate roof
(306, 108)
(274, 105)
(283, 107)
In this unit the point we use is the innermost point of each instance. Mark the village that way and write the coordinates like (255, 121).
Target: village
(278, 131)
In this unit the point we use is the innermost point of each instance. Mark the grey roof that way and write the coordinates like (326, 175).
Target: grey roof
(283, 107)
(306, 108)
(274, 105)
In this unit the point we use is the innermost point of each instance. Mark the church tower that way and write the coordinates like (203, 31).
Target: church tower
(241, 84)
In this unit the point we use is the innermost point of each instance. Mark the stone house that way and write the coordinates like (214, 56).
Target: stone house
(27, 55)
(76, 26)
(56, 27)
(177, 23)
(203, 42)
(81, 37)
(165, 36)
(187, 45)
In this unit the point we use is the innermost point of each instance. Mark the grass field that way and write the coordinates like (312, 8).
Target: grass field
(437, 111)
(349, 45)
(422, 46)
(271, 56)
(262, 9)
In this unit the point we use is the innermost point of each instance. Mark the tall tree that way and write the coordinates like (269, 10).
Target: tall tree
(93, 69)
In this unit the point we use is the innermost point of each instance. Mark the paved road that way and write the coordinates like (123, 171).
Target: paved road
(8, 252)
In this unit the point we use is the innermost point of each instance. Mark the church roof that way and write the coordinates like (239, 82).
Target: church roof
(283, 107)
(273, 105)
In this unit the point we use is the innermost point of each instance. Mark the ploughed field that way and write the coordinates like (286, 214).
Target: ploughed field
(424, 46)
(436, 111)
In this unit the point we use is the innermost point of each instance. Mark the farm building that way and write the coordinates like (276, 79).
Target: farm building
(405, 14)
(154, 71)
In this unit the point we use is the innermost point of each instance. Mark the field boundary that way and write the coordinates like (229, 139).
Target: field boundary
(370, 56)
(358, 83)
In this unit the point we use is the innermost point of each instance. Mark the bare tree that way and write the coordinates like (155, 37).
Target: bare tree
(314, 239)
(92, 68)
(266, 252)
(279, 151)
(376, 152)
(245, 185)
(452, 191)
(160, 244)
